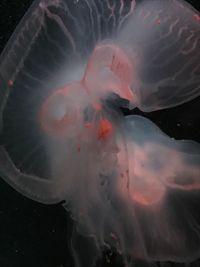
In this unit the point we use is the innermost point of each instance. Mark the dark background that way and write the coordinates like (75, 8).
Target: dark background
(32, 234)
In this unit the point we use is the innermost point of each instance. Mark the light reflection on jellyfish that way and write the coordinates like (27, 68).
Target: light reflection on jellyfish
(64, 75)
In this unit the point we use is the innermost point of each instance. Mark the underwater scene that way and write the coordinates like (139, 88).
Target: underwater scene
(100, 133)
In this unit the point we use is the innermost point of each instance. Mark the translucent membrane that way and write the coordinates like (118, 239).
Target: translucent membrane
(126, 184)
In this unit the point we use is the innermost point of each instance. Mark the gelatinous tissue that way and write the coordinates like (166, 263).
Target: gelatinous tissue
(64, 75)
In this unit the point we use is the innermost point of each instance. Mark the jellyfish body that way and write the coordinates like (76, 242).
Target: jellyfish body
(63, 136)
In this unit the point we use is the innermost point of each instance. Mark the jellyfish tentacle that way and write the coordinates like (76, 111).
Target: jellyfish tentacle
(41, 190)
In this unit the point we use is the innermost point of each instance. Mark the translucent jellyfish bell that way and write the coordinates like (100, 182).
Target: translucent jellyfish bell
(64, 75)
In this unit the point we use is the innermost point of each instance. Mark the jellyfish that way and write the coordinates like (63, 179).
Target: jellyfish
(65, 74)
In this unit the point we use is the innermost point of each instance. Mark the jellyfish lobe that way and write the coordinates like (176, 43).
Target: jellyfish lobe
(109, 63)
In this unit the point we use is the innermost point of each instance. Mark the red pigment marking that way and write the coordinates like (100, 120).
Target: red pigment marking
(10, 83)
(158, 21)
(104, 129)
(88, 125)
(196, 17)
(97, 107)
(113, 236)
(78, 148)
(141, 199)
